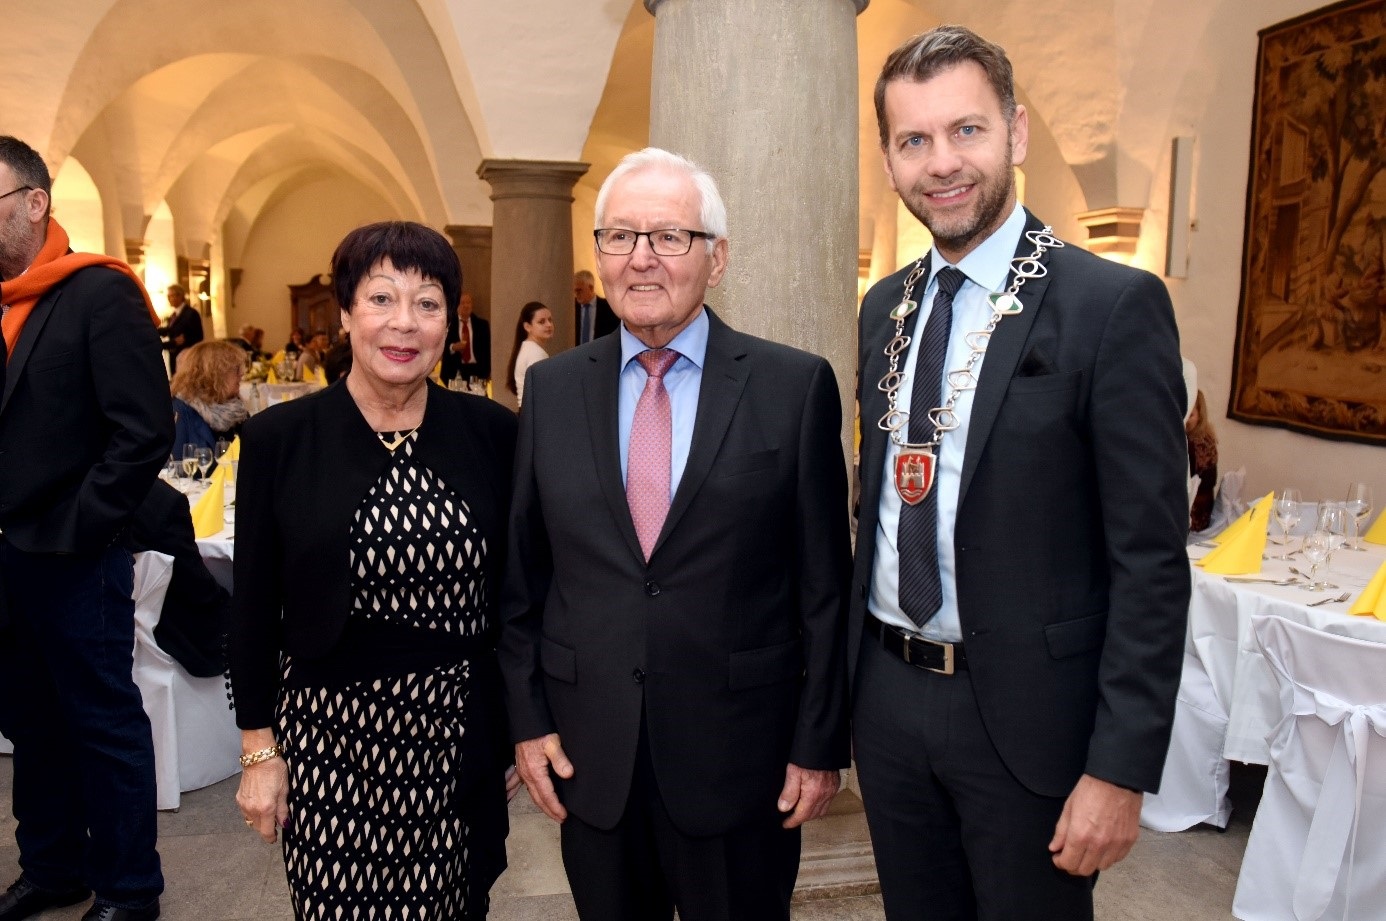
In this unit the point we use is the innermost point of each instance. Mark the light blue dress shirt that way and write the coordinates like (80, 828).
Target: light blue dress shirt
(682, 381)
(987, 268)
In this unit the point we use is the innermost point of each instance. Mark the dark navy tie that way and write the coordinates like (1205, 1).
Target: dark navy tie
(921, 591)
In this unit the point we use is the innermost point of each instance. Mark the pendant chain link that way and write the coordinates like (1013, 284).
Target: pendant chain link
(944, 419)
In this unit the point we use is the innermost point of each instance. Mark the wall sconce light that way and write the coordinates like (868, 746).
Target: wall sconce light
(1113, 232)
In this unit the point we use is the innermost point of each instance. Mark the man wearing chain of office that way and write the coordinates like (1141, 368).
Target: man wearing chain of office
(1020, 584)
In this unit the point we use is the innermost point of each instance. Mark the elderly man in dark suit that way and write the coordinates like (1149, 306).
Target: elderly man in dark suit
(1020, 586)
(85, 424)
(592, 315)
(675, 602)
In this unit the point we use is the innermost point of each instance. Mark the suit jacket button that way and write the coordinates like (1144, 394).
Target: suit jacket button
(638, 676)
(652, 589)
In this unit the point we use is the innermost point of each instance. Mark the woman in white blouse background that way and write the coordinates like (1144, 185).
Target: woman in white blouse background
(532, 331)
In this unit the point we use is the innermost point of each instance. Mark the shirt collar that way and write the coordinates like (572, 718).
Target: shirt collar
(990, 263)
(691, 343)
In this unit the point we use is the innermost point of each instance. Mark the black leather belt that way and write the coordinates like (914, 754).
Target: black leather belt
(943, 658)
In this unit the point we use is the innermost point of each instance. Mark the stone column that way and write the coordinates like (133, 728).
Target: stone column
(532, 251)
(472, 243)
(763, 94)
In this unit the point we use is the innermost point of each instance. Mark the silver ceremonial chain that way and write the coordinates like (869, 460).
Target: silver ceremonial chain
(1023, 268)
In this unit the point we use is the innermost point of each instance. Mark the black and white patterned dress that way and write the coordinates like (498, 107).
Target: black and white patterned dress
(377, 828)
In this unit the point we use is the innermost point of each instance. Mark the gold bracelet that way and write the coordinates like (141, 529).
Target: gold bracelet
(264, 754)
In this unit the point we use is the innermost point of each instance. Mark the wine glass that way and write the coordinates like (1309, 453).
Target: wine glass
(1318, 547)
(1339, 523)
(222, 446)
(204, 460)
(1286, 509)
(1359, 505)
(189, 462)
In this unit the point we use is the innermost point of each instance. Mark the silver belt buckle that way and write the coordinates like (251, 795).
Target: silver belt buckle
(947, 654)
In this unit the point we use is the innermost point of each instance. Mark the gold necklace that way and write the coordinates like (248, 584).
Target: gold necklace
(392, 446)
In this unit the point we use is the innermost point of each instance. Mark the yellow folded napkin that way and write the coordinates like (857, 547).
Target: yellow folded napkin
(1235, 529)
(319, 376)
(270, 376)
(1372, 601)
(1377, 532)
(1240, 554)
(209, 512)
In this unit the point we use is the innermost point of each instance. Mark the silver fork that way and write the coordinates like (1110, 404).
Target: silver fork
(1343, 597)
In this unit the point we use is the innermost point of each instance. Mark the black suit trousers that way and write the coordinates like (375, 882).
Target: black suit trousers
(956, 837)
(641, 869)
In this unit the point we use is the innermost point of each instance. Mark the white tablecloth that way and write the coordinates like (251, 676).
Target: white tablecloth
(1220, 635)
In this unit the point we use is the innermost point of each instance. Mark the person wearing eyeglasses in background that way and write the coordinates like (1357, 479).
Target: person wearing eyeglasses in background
(673, 642)
(85, 425)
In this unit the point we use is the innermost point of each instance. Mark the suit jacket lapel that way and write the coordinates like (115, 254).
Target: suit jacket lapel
(14, 367)
(1003, 354)
(601, 390)
(724, 380)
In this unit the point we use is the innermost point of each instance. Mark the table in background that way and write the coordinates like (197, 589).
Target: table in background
(1220, 635)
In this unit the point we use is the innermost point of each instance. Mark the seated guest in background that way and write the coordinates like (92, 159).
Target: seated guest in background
(336, 364)
(592, 315)
(379, 466)
(207, 395)
(247, 340)
(532, 330)
(1203, 463)
(468, 352)
(310, 359)
(197, 611)
(297, 342)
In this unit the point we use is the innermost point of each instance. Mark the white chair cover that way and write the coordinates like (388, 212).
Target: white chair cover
(1193, 787)
(1327, 782)
(1228, 505)
(196, 742)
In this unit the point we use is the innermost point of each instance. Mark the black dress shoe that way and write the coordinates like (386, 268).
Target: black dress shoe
(100, 912)
(23, 899)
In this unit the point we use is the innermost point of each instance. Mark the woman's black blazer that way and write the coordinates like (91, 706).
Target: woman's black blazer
(305, 466)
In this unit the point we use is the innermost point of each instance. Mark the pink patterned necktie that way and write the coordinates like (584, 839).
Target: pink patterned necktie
(650, 458)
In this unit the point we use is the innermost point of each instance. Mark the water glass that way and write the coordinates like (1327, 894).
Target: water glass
(1286, 510)
(204, 461)
(1318, 547)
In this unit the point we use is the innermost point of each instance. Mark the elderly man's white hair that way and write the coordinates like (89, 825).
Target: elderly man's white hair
(713, 212)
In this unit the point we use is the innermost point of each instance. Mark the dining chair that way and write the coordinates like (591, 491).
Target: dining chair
(1193, 787)
(196, 742)
(1314, 850)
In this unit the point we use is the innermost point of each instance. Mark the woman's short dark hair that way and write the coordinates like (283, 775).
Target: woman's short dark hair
(408, 246)
(527, 313)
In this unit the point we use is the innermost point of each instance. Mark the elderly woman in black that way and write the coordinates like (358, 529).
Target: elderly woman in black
(371, 521)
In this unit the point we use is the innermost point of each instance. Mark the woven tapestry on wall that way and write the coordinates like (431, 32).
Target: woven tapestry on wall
(1311, 324)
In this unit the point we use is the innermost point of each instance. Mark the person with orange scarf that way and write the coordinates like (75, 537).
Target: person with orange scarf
(86, 423)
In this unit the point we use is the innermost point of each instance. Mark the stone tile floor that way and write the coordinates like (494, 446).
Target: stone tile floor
(217, 871)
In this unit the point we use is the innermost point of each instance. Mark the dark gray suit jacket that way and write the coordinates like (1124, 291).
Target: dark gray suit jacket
(86, 420)
(1073, 583)
(731, 640)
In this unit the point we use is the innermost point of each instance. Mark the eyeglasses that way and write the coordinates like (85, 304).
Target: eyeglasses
(23, 188)
(617, 241)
